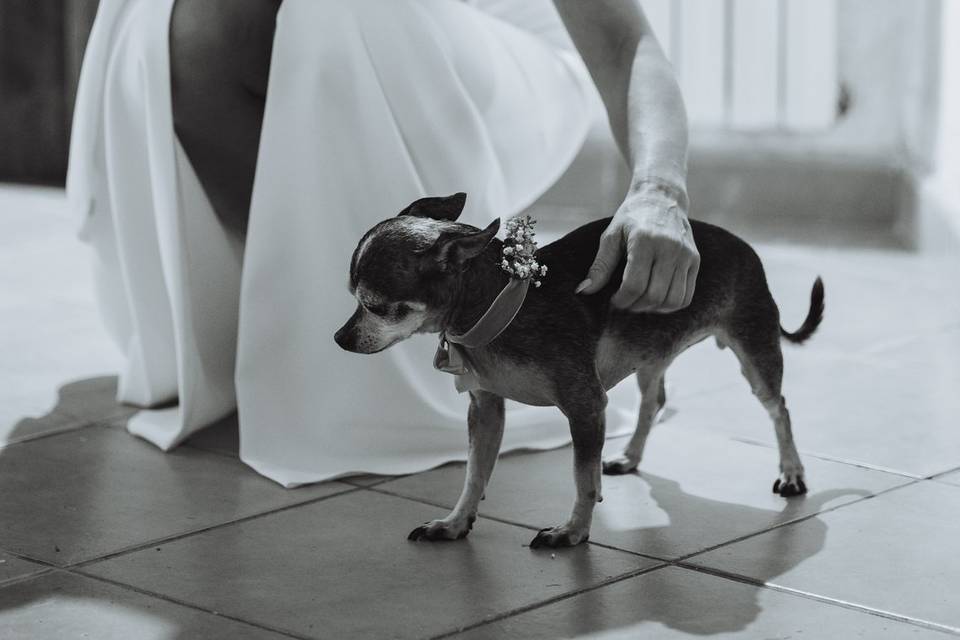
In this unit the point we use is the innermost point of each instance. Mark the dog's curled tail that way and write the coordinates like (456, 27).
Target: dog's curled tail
(814, 316)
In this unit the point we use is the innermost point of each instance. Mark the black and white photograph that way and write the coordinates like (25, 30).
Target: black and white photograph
(479, 319)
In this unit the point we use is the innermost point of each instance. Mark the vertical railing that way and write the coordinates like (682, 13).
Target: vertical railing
(753, 65)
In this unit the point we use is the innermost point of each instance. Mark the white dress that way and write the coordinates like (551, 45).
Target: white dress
(371, 104)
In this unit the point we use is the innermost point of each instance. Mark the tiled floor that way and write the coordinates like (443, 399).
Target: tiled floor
(103, 536)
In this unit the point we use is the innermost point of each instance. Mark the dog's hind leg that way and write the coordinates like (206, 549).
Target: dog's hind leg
(584, 409)
(653, 396)
(485, 431)
(761, 362)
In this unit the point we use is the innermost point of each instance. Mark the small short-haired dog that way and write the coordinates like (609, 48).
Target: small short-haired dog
(422, 271)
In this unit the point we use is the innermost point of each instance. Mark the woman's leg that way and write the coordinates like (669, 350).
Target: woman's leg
(219, 64)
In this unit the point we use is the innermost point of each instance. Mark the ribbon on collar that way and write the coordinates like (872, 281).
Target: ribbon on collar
(451, 356)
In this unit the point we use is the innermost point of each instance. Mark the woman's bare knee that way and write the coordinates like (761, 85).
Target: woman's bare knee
(220, 44)
(219, 64)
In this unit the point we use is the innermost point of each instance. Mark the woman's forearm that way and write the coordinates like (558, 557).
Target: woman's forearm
(654, 136)
(638, 88)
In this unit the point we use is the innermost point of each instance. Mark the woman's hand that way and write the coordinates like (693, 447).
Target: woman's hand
(662, 257)
(649, 123)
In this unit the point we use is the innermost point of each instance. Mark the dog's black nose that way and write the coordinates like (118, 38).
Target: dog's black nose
(345, 338)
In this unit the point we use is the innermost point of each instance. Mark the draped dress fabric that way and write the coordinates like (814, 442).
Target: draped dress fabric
(370, 104)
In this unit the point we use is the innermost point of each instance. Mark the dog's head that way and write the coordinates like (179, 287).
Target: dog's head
(404, 271)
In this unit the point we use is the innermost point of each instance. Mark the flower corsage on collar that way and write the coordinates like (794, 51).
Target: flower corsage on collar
(518, 258)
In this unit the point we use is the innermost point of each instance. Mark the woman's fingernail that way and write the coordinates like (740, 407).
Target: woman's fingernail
(583, 285)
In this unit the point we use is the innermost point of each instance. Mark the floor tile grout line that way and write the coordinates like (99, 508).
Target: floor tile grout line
(821, 456)
(375, 489)
(28, 576)
(186, 534)
(679, 562)
(829, 458)
(217, 452)
(78, 568)
(360, 485)
(118, 418)
(378, 482)
(21, 556)
(172, 537)
(665, 562)
(83, 423)
(440, 505)
(346, 480)
(937, 476)
(759, 584)
(794, 521)
(50, 434)
(905, 340)
(543, 603)
(514, 523)
(682, 557)
(845, 604)
(640, 554)
(184, 603)
(860, 465)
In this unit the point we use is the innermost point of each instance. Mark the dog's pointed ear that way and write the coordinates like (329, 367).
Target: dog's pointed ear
(444, 208)
(455, 248)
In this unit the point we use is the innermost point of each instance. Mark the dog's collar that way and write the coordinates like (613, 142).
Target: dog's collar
(450, 356)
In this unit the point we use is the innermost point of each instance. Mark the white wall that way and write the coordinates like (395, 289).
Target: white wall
(948, 143)
(940, 196)
(862, 172)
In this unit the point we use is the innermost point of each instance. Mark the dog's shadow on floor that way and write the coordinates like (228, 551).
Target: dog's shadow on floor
(694, 602)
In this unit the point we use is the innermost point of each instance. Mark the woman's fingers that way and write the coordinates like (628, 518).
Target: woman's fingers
(660, 282)
(673, 301)
(608, 258)
(691, 281)
(637, 275)
(661, 277)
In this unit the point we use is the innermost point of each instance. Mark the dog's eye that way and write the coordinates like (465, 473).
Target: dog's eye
(377, 309)
(402, 310)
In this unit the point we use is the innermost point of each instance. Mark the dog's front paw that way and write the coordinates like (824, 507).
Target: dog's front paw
(442, 530)
(790, 484)
(560, 536)
(620, 465)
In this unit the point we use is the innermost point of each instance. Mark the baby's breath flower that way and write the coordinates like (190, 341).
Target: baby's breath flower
(519, 250)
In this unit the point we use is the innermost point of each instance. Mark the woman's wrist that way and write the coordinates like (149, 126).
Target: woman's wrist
(661, 191)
